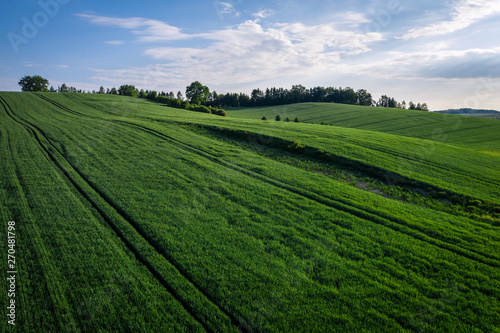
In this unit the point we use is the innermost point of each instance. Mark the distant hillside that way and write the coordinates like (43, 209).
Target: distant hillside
(473, 113)
(477, 133)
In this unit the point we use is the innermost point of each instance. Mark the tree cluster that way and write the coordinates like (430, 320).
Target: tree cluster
(300, 94)
(287, 120)
(388, 102)
(128, 90)
(179, 103)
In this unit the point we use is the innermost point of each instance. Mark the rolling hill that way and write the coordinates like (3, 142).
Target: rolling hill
(132, 216)
(473, 113)
(472, 133)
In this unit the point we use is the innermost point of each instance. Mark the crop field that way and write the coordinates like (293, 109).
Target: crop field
(132, 216)
(458, 130)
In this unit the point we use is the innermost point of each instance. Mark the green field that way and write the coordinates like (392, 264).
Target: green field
(131, 216)
(458, 130)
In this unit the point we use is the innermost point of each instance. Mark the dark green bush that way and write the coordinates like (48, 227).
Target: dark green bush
(199, 108)
(297, 147)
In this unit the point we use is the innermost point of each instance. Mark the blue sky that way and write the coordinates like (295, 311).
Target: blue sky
(445, 53)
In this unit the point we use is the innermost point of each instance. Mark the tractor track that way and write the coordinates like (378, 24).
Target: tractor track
(426, 162)
(342, 205)
(382, 219)
(38, 135)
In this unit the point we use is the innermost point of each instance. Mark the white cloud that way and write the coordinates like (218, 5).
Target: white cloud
(465, 14)
(249, 52)
(265, 13)
(30, 64)
(225, 8)
(77, 85)
(352, 19)
(114, 42)
(147, 30)
(433, 63)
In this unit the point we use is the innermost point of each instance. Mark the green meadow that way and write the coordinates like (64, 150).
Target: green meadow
(133, 216)
(462, 131)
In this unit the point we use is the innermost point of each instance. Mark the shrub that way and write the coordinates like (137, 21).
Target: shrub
(220, 112)
(297, 147)
(217, 111)
(296, 120)
(476, 203)
(278, 118)
(199, 108)
(287, 120)
(175, 103)
(264, 118)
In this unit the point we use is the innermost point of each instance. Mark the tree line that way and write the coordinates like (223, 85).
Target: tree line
(300, 94)
(200, 95)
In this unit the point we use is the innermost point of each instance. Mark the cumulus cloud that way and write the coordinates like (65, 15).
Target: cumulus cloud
(435, 63)
(465, 13)
(249, 51)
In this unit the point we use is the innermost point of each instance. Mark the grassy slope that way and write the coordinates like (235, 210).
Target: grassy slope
(477, 133)
(73, 269)
(257, 239)
(460, 170)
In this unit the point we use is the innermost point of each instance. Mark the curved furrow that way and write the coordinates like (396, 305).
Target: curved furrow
(59, 105)
(343, 205)
(429, 163)
(339, 204)
(127, 237)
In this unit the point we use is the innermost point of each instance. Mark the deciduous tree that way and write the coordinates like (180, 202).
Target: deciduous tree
(34, 84)
(128, 90)
(197, 93)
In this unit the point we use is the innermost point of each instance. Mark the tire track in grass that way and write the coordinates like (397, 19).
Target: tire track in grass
(206, 312)
(424, 161)
(217, 160)
(173, 140)
(344, 205)
(61, 106)
(236, 322)
(339, 204)
(50, 273)
(369, 146)
(242, 326)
